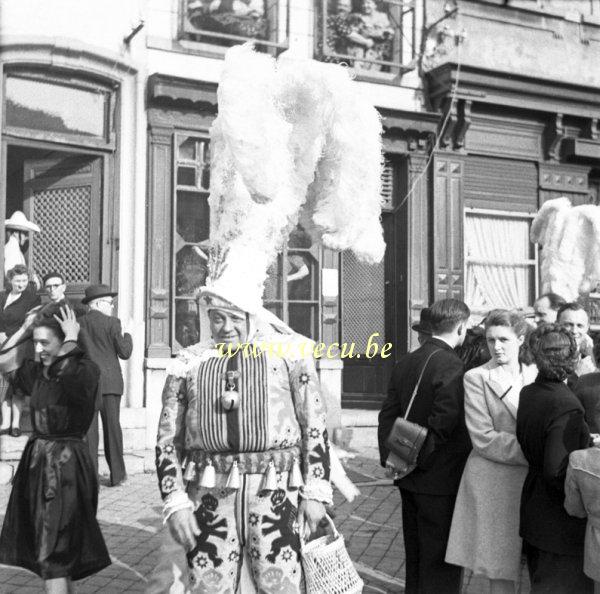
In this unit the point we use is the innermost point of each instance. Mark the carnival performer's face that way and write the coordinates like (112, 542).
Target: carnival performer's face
(503, 344)
(576, 321)
(544, 314)
(47, 344)
(55, 287)
(228, 327)
(19, 283)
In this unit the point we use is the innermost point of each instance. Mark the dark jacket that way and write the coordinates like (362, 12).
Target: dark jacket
(78, 308)
(102, 338)
(438, 406)
(587, 389)
(550, 425)
(14, 315)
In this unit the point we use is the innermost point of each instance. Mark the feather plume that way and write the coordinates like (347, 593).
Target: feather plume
(286, 133)
(547, 229)
(588, 246)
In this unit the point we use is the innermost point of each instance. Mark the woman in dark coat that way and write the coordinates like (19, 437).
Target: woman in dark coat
(50, 524)
(14, 305)
(550, 425)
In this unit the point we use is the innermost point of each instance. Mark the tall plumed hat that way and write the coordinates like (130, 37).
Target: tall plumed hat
(295, 140)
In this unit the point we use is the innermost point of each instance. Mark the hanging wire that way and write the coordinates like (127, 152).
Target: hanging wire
(439, 136)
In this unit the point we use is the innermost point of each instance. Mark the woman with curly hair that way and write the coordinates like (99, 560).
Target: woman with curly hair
(50, 526)
(550, 425)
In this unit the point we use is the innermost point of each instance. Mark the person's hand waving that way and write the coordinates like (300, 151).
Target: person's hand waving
(68, 323)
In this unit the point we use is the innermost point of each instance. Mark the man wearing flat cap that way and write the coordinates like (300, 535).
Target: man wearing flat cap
(103, 339)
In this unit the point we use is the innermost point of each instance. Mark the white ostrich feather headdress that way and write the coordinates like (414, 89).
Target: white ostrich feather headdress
(289, 134)
(570, 238)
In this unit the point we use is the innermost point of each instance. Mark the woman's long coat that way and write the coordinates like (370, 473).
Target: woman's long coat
(485, 527)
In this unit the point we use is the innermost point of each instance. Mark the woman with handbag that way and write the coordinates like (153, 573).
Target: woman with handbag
(485, 527)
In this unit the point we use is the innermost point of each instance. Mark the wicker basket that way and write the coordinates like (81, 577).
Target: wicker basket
(327, 565)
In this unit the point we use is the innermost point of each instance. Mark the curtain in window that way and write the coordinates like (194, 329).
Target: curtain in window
(499, 276)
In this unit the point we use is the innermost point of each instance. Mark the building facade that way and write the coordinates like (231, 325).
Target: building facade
(106, 112)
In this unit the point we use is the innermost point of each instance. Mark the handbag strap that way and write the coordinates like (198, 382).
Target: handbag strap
(412, 398)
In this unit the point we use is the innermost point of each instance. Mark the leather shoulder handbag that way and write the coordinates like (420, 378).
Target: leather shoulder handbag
(406, 438)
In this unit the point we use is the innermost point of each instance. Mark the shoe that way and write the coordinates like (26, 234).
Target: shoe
(15, 432)
(5, 431)
(121, 483)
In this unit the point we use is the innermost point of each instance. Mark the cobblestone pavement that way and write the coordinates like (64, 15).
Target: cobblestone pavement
(130, 520)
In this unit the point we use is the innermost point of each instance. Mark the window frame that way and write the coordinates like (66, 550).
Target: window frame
(176, 346)
(186, 32)
(397, 68)
(285, 301)
(501, 214)
(106, 142)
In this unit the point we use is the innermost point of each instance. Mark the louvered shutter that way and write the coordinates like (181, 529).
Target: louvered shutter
(387, 184)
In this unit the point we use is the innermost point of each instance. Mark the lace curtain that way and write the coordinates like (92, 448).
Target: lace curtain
(498, 262)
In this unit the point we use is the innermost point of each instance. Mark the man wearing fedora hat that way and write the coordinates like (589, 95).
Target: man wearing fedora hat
(423, 326)
(103, 339)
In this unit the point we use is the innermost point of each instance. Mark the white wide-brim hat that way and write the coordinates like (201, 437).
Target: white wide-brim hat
(19, 221)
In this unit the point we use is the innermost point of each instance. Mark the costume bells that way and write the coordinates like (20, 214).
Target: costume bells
(204, 473)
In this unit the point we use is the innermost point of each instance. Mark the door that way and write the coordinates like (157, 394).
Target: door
(373, 295)
(63, 195)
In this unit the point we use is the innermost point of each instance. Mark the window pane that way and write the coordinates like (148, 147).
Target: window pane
(273, 284)
(187, 149)
(275, 308)
(48, 106)
(302, 275)
(299, 238)
(190, 270)
(193, 218)
(187, 323)
(246, 19)
(303, 319)
(363, 311)
(204, 148)
(186, 176)
(498, 275)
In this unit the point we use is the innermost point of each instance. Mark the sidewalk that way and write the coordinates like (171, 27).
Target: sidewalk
(130, 520)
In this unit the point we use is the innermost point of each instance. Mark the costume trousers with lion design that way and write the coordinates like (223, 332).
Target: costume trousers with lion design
(259, 526)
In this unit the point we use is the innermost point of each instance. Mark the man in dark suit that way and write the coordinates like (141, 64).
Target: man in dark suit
(105, 343)
(429, 492)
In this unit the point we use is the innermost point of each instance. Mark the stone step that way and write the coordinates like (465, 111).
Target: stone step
(135, 463)
(360, 427)
(133, 424)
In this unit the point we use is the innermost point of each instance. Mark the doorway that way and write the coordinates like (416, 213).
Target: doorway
(62, 193)
(375, 298)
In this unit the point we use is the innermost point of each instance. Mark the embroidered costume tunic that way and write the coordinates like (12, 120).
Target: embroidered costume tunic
(281, 412)
(279, 424)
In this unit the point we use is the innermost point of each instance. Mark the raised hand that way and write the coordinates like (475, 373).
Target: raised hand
(68, 323)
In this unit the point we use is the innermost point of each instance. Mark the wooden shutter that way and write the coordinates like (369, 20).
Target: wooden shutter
(502, 184)
(448, 227)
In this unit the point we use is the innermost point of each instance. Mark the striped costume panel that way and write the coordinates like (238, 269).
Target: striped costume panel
(212, 424)
(253, 417)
